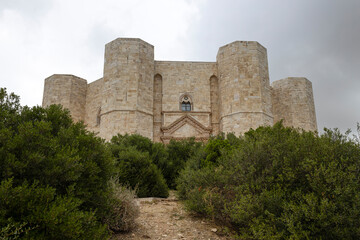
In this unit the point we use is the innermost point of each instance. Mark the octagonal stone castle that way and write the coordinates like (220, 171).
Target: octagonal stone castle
(165, 100)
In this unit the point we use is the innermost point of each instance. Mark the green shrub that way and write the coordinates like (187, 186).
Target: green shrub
(214, 150)
(45, 215)
(43, 152)
(140, 143)
(136, 170)
(279, 183)
(159, 157)
(178, 154)
(69, 158)
(14, 230)
(169, 159)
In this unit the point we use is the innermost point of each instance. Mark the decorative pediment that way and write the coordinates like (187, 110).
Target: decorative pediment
(186, 119)
(186, 130)
(186, 127)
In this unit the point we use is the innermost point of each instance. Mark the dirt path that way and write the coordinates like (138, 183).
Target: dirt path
(166, 219)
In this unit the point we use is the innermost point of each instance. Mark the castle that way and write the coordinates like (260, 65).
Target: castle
(165, 100)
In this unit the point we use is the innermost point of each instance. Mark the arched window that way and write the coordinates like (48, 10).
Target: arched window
(98, 117)
(185, 103)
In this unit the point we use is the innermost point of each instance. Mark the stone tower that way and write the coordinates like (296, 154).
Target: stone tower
(244, 87)
(128, 88)
(165, 100)
(67, 90)
(293, 102)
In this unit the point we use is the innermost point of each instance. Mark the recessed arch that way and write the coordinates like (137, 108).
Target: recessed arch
(213, 76)
(98, 117)
(214, 104)
(157, 107)
(157, 75)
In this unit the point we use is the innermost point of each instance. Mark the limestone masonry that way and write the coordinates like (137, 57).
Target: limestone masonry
(165, 100)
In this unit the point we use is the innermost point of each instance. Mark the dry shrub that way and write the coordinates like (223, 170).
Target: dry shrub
(124, 210)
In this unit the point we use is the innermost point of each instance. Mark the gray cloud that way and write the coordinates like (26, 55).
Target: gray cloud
(315, 39)
(32, 9)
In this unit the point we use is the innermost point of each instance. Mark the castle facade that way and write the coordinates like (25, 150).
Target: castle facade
(165, 100)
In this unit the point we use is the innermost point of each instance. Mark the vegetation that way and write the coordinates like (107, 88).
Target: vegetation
(59, 181)
(149, 167)
(278, 183)
(55, 176)
(136, 168)
(179, 152)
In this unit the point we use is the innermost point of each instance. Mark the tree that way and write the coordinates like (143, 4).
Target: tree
(55, 174)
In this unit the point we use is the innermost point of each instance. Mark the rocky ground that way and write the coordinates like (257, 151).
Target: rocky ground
(167, 219)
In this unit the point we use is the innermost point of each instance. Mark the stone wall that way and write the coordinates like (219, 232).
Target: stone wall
(118, 122)
(191, 78)
(186, 77)
(93, 105)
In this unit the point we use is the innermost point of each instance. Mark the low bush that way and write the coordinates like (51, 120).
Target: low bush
(169, 159)
(278, 183)
(45, 215)
(122, 210)
(140, 143)
(178, 153)
(136, 169)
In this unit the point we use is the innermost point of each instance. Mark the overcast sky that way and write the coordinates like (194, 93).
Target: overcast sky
(316, 39)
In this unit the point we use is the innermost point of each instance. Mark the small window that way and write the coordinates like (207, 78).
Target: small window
(185, 103)
(186, 106)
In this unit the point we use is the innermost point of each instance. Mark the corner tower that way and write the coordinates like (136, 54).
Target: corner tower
(244, 88)
(67, 90)
(293, 102)
(127, 105)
